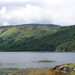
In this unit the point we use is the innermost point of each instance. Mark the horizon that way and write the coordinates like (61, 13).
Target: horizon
(34, 24)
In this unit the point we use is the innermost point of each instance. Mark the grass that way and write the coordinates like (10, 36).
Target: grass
(71, 64)
(25, 31)
(12, 34)
(72, 73)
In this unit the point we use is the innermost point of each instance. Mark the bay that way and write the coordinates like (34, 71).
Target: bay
(30, 59)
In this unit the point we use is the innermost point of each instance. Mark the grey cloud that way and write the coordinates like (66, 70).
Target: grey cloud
(2, 20)
(59, 13)
(16, 21)
(10, 5)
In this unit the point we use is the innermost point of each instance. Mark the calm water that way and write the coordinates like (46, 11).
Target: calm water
(29, 59)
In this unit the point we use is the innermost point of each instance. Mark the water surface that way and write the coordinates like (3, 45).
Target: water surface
(29, 59)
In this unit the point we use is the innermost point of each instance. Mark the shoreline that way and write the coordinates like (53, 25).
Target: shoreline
(32, 71)
(28, 71)
(64, 69)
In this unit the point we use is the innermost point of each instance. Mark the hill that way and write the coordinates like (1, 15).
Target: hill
(10, 35)
(37, 38)
(62, 39)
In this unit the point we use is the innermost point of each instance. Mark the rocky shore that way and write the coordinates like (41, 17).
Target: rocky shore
(64, 69)
(31, 71)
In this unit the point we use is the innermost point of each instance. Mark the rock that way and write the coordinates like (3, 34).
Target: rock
(45, 61)
(74, 68)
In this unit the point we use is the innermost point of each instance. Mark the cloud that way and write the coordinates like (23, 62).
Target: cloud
(13, 0)
(3, 17)
(27, 14)
(2, 11)
(61, 12)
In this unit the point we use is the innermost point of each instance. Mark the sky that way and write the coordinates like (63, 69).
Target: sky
(16, 12)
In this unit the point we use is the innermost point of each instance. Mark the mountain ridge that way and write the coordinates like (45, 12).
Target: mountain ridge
(33, 24)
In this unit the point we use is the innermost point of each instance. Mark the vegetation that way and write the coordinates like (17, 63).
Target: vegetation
(72, 69)
(18, 35)
(71, 65)
(37, 38)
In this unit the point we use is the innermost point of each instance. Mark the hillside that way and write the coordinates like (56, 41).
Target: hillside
(62, 39)
(37, 38)
(10, 35)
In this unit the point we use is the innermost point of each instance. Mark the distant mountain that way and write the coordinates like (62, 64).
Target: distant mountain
(49, 25)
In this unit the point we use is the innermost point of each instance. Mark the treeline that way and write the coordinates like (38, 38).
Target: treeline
(61, 40)
(67, 47)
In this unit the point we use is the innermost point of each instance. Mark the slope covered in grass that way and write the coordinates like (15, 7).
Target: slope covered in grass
(62, 39)
(24, 31)
(18, 34)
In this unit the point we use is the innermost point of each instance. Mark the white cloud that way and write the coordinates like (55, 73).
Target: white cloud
(5, 23)
(3, 11)
(62, 12)
(3, 16)
(40, 11)
(27, 14)
(53, 1)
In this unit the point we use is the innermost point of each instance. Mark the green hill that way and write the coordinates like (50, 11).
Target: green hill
(18, 34)
(38, 38)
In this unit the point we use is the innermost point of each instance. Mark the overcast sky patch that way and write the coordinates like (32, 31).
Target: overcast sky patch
(14, 12)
